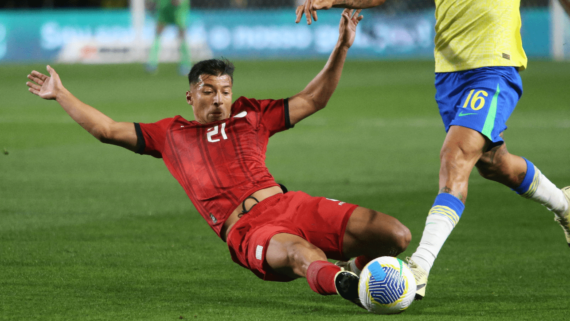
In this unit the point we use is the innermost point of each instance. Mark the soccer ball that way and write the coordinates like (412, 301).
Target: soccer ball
(386, 286)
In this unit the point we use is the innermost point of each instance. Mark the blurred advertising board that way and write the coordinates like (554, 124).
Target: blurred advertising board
(107, 36)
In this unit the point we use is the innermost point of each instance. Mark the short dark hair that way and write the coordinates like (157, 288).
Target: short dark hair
(214, 67)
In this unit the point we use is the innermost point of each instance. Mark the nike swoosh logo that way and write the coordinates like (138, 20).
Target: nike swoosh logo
(420, 286)
(241, 115)
(462, 114)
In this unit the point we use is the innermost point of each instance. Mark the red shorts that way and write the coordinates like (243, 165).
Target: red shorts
(318, 220)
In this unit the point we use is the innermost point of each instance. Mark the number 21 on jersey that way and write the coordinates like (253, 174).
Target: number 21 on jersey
(214, 132)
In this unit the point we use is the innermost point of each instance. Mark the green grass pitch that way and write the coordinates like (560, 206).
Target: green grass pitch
(93, 232)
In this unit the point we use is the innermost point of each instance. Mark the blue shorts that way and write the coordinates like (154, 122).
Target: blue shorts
(481, 99)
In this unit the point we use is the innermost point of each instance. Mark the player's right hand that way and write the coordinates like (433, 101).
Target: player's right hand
(310, 9)
(44, 86)
(347, 28)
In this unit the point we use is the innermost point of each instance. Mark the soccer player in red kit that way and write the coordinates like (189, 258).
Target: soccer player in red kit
(219, 159)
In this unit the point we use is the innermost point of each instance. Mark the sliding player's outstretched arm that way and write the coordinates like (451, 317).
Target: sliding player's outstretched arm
(318, 92)
(95, 122)
(310, 7)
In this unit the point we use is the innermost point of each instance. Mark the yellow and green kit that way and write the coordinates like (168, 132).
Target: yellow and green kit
(478, 33)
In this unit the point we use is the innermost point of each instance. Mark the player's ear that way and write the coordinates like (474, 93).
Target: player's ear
(189, 97)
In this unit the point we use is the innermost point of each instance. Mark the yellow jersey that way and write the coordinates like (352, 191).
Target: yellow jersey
(478, 33)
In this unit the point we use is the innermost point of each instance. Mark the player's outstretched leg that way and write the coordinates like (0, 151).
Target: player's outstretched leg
(527, 180)
(461, 150)
(295, 257)
(368, 234)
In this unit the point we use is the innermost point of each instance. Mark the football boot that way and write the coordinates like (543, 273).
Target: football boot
(564, 219)
(421, 277)
(346, 284)
(348, 266)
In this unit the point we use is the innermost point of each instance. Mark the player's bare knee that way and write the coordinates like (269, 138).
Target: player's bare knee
(486, 169)
(450, 160)
(396, 235)
(452, 156)
(374, 234)
(492, 165)
(401, 237)
(277, 255)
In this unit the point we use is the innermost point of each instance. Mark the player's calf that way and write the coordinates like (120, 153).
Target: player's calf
(524, 178)
(500, 166)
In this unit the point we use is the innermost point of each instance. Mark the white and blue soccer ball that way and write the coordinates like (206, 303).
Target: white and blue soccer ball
(386, 286)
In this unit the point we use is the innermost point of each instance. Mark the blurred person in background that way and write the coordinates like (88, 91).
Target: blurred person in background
(170, 12)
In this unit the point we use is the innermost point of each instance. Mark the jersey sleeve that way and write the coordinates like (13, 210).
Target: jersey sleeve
(274, 113)
(151, 138)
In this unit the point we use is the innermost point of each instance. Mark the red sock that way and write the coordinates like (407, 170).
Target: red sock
(361, 262)
(320, 276)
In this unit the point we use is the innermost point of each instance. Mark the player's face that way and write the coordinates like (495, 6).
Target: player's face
(211, 98)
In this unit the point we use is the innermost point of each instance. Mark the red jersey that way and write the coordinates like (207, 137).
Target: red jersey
(221, 163)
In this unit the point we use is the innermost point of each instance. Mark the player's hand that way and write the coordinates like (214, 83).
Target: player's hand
(347, 27)
(310, 9)
(44, 86)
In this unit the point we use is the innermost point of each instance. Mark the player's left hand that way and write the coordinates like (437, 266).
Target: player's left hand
(347, 27)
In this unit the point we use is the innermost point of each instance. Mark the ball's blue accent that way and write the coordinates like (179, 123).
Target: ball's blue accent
(376, 269)
(388, 289)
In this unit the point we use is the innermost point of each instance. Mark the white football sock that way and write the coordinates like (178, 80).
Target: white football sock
(436, 231)
(548, 195)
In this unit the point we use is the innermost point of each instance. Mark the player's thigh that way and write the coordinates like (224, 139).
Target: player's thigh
(373, 233)
(291, 255)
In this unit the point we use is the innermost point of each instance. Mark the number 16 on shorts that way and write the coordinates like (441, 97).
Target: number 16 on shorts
(476, 99)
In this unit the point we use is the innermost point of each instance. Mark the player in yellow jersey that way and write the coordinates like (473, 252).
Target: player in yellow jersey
(478, 56)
